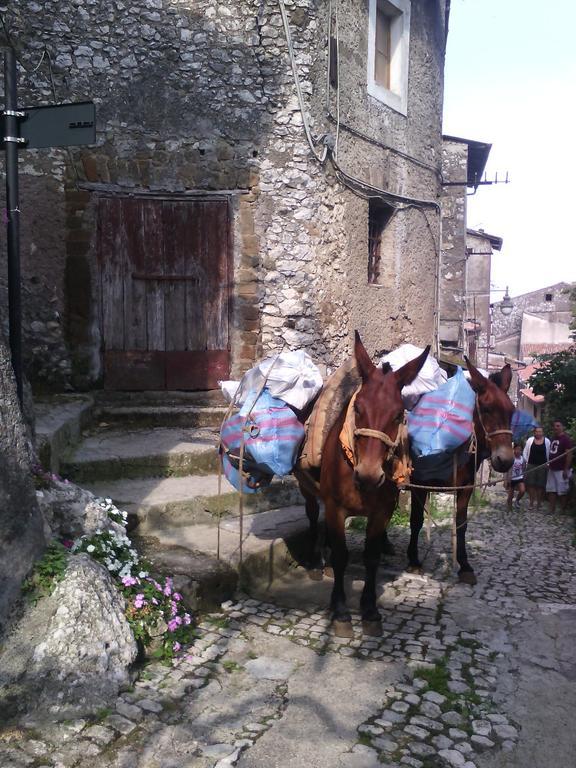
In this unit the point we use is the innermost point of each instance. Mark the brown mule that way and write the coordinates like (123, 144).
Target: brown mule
(359, 482)
(492, 419)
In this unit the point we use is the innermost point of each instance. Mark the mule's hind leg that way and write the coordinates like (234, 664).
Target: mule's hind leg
(466, 573)
(341, 618)
(417, 505)
(314, 561)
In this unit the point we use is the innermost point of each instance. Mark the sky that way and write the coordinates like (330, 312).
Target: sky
(510, 80)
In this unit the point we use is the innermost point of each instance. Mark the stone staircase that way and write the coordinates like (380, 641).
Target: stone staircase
(155, 455)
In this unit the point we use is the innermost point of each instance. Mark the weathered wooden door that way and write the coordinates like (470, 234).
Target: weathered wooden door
(165, 287)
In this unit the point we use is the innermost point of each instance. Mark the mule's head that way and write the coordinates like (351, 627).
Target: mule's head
(493, 415)
(378, 407)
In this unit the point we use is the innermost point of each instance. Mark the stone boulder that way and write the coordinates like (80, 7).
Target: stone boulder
(71, 511)
(71, 653)
(22, 536)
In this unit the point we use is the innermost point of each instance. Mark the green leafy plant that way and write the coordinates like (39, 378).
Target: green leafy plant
(556, 380)
(47, 572)
(231, 666)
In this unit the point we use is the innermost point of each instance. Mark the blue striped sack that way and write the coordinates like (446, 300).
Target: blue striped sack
(443, 419)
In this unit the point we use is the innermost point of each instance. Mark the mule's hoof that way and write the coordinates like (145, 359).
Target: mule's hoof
(329, 572)
(467, 577)
(315, 574)
(342, 628)
(372, 628)
(415, 569)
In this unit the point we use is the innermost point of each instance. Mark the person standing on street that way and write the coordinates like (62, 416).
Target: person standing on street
(515, 478)
(535, 454)
(560, 467)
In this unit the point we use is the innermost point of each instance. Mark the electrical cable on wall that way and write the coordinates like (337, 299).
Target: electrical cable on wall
(320, 158)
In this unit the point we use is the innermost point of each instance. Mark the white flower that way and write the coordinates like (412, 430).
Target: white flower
(143, 574)
(90, 548)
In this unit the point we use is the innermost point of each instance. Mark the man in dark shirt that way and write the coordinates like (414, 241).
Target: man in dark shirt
(560, 468)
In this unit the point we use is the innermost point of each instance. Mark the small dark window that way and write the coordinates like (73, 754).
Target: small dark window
(548, 297)
(379, 215)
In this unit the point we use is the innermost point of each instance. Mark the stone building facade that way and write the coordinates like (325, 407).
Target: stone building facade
(263, 121)
(538, 324)
(464, 286)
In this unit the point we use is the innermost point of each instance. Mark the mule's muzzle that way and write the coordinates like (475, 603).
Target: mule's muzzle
(366, 480)
(502, 458)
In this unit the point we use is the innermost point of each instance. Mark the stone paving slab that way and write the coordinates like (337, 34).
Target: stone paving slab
(465, 677)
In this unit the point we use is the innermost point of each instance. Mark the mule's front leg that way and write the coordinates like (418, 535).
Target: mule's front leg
(466, 573)
(377, 521)
(417, 505)
(341, 618)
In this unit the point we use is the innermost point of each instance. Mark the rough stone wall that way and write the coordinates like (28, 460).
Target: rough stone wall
(453, 259)
(198, 96)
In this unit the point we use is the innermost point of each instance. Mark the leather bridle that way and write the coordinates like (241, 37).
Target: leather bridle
(490, 435)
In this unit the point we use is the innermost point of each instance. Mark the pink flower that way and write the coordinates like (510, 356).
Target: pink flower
(129, 581)
(139, 601)
(187, 619)
(168, 587)
(173, 608)
(177, 596)
(174, 623)
(176, 647)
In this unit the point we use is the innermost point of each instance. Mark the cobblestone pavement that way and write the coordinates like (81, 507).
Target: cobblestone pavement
(267, 685)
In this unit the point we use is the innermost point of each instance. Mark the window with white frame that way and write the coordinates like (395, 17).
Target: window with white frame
(388, 52)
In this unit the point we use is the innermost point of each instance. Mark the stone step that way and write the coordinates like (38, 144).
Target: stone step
(107, 454)
(60, 420)
(208, 562)
(176, 502)
(211, 397)
(161, 415)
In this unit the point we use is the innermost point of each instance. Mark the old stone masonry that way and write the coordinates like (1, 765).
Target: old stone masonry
(463, 676)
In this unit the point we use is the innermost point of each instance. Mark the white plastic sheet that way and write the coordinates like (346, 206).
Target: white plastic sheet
(431, 376)
(292, 377)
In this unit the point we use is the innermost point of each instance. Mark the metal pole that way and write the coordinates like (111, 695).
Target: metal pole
(11, 141)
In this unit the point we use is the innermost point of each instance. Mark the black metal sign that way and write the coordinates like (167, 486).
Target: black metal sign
(61, 125)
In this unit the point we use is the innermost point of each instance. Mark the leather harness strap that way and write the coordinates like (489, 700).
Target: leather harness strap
(490, 435)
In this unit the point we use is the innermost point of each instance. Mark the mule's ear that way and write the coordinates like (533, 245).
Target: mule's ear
(477, 381)
(409, 371)
(505, 377)
(365, 365)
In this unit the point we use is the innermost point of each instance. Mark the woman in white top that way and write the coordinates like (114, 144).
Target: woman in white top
(536, 453)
